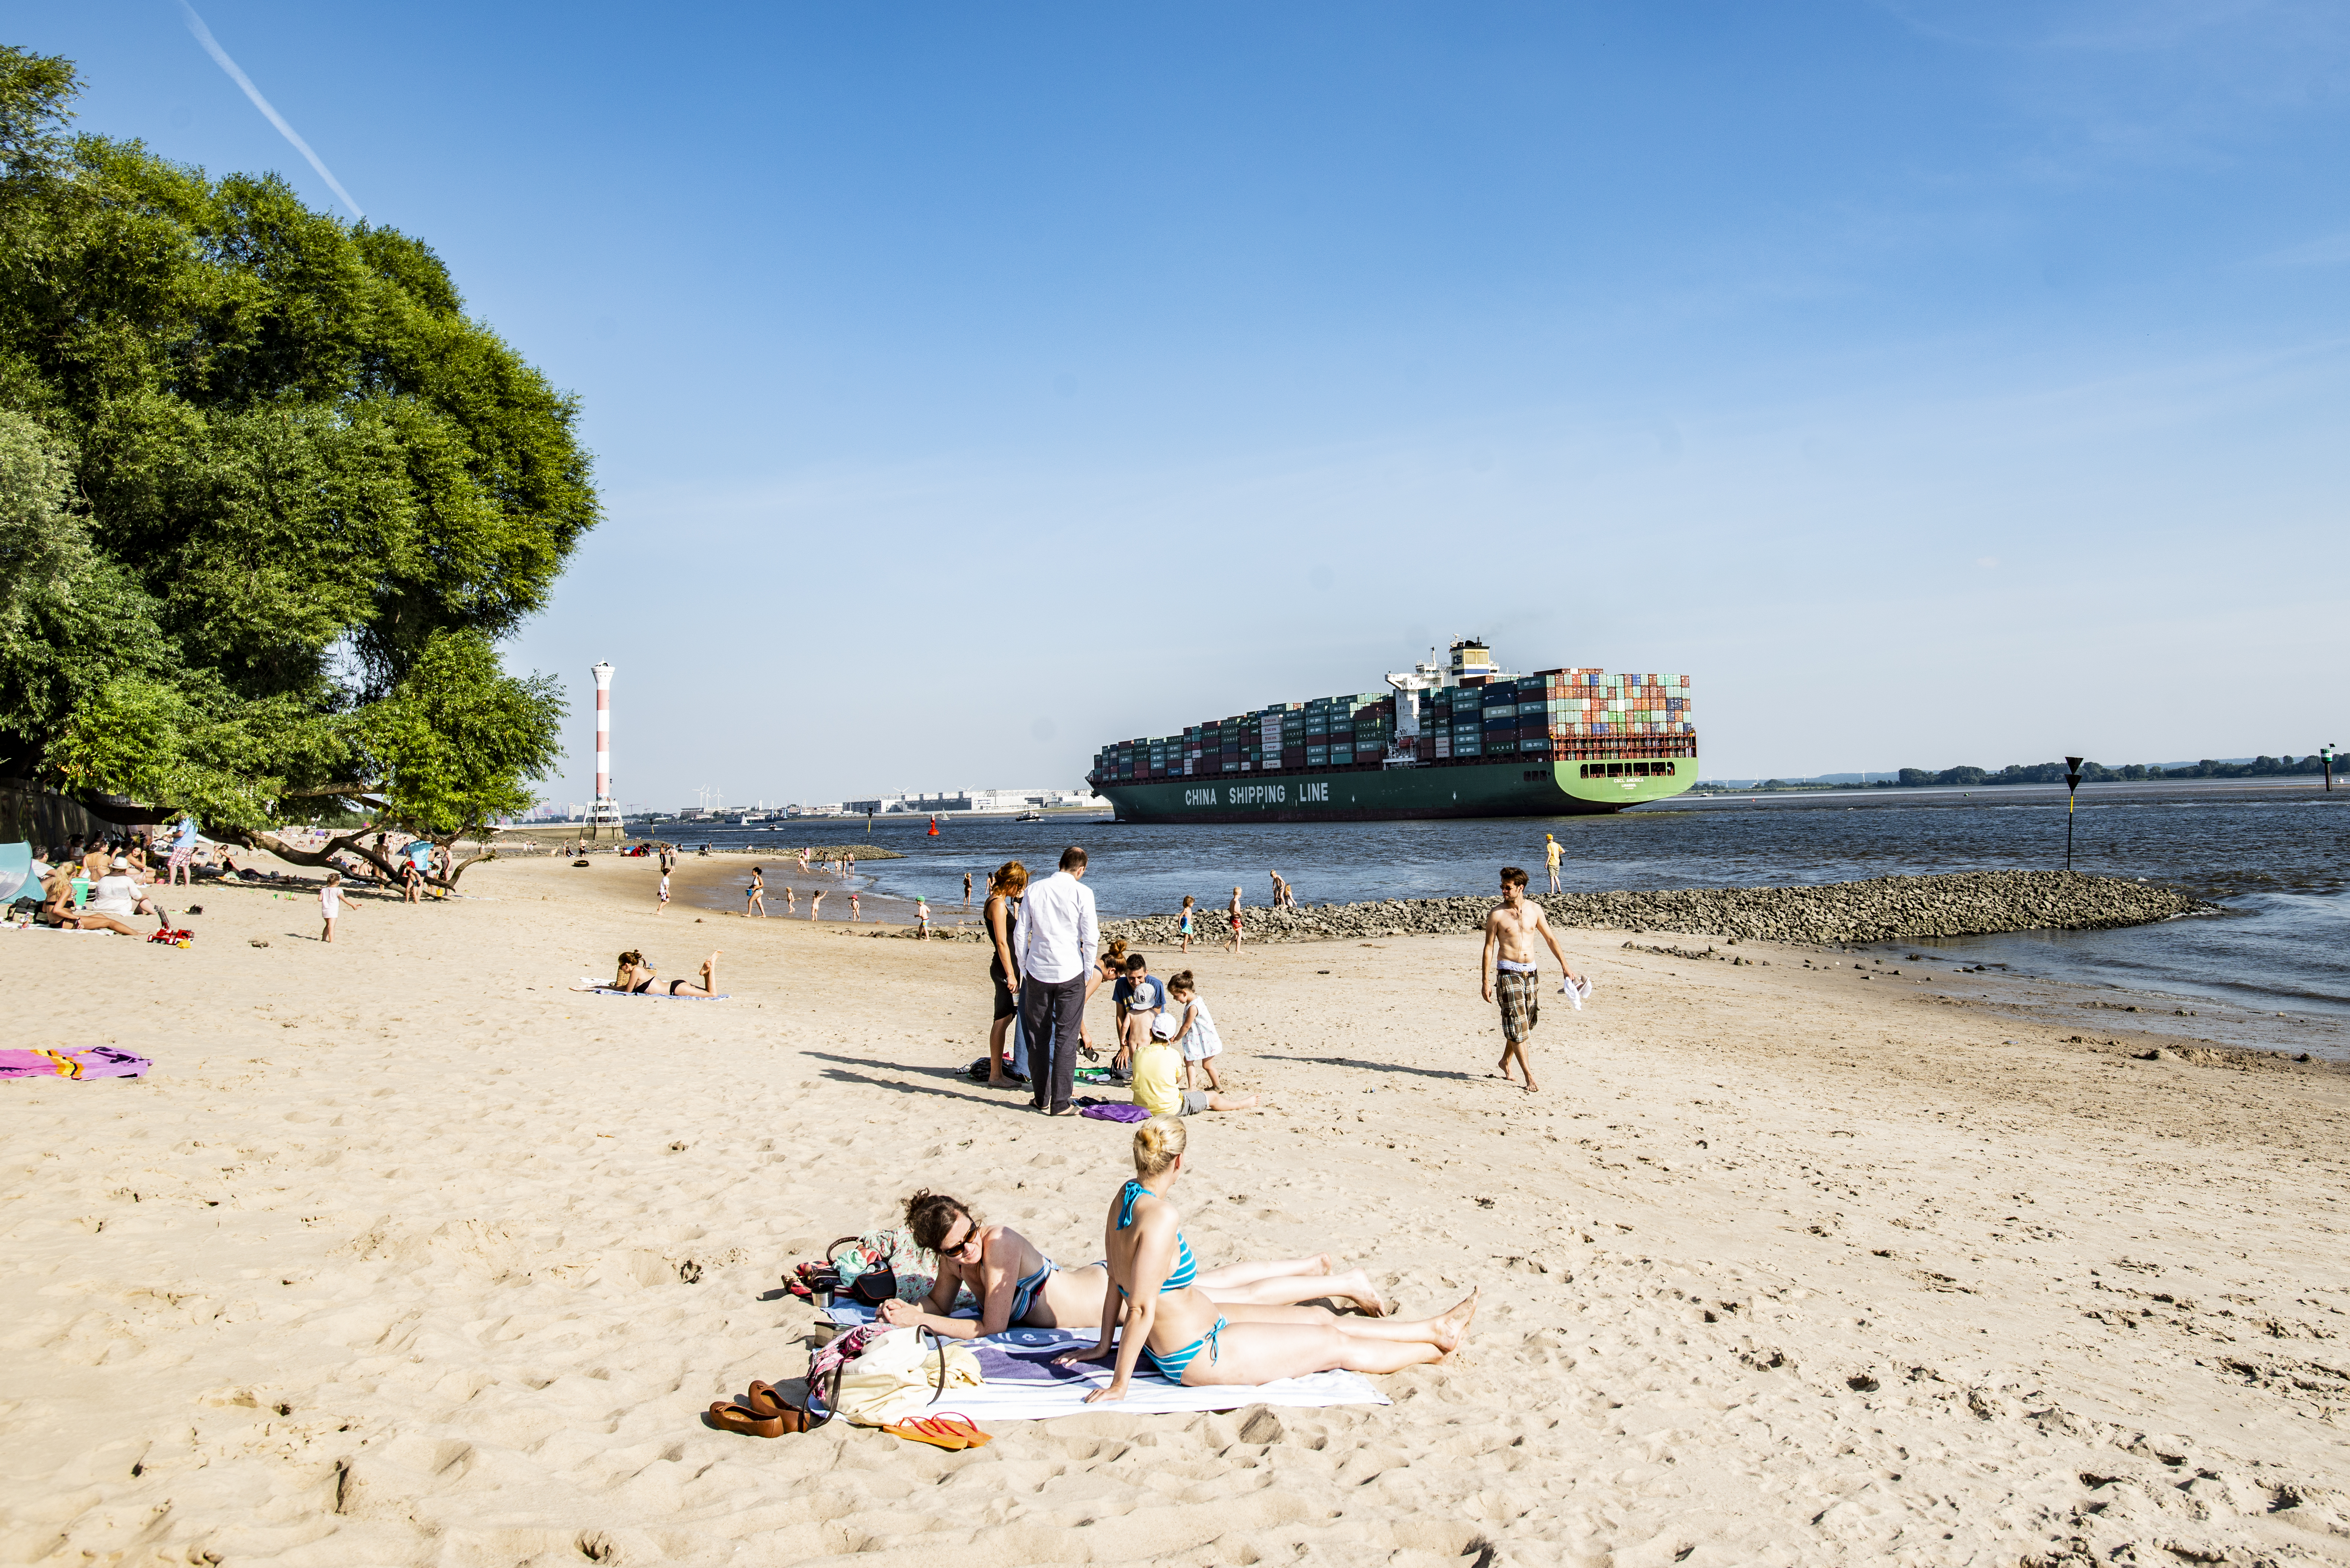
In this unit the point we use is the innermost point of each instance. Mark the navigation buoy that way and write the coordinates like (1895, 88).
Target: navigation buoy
(934, 827)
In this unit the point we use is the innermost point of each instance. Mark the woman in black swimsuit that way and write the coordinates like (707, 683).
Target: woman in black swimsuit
(636, 976)
(1003, 917)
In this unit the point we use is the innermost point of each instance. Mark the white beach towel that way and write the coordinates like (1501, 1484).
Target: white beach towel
(1041, 1395)
(1576, 990)
(600, 989)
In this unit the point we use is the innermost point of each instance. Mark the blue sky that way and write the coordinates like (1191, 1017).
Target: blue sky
(1933, 383)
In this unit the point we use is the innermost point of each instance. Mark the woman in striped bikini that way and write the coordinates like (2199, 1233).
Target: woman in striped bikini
(1171, 1326)
(1018, 1285)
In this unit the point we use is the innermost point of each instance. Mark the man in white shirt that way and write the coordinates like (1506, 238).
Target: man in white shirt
(1054, 945)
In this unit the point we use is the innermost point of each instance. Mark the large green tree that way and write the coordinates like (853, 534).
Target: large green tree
(268, 498)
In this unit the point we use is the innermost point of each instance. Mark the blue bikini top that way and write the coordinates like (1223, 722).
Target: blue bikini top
(1185, 1269)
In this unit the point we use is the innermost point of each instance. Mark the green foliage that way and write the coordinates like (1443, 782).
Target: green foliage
(265, 493)
(2099, 773)
(456, 738)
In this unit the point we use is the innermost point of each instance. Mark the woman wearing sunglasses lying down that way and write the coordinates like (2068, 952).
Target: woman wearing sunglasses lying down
(1017, 1286)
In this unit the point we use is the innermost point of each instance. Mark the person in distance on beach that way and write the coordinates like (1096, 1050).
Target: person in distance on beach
(755, 896)
(1233, 913)
(1190, 912)
(1506, 963)
(1551, 853)
(1137, 999)
(1110, 966)
(1054, 945)
(1179, 1331)
(633, 974)
(816, 902)
(1017, 1285)
(1154, 1073)
(662, 905)
(330, 904)
(709, 986)
(1002, 913)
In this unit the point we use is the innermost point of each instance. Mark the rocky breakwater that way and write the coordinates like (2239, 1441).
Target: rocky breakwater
(1967, 903)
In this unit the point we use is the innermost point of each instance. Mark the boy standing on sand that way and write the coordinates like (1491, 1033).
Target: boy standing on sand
(1508, 949)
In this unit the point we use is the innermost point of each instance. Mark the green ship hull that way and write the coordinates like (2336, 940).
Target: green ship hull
(1391, 795)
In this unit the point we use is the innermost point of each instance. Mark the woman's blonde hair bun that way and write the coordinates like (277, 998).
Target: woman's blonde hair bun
(1157, 1144)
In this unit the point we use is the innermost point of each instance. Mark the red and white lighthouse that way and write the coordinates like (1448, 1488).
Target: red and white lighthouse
(603, 811)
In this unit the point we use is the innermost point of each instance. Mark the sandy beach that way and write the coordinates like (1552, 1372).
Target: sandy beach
(406, 1253)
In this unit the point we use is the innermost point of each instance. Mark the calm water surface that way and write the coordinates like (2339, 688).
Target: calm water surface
(2276, 860)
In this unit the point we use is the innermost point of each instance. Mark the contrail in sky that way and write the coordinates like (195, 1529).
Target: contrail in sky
(212, 46)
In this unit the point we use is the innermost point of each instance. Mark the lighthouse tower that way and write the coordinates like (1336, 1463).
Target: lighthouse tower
(604, 812)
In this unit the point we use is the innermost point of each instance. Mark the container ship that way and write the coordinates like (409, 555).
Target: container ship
(1457, 738)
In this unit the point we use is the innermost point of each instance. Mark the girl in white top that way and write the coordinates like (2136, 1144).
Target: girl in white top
(1195, 1032)
(330, 904)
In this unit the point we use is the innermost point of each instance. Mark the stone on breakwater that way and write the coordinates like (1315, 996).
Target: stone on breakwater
(1966, 903)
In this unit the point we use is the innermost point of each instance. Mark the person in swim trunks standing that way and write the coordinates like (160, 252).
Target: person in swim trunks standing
(1506, 964)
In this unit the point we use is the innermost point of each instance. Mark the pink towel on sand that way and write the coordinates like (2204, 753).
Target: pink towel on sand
(95, 1061)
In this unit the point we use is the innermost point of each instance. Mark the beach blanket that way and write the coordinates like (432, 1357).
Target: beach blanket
(1023, 1384)
(599, 988)
(94, 1061)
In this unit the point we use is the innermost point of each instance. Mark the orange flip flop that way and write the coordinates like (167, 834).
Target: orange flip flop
(961, 1427)
(929, 1430)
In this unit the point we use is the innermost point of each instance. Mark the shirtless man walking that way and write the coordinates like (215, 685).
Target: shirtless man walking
(1507, 963)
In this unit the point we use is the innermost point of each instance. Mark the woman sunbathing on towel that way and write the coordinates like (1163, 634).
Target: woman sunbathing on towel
(636, 976)
(1181, 1333)
(1018, 1285)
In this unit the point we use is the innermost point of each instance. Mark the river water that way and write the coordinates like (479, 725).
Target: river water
(2275, 858)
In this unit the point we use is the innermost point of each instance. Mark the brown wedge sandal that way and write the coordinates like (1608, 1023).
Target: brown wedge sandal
(765, 1400)
(728, 1417)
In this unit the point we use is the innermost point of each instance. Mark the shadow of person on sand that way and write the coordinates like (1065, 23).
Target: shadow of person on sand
(840, 1075)
(1368, 1066)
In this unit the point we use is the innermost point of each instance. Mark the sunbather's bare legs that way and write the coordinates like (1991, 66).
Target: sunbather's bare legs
(1288, 1280)
(709, 986)
(1252, 1350)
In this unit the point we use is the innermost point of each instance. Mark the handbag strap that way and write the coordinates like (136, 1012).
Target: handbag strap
(940, 1339)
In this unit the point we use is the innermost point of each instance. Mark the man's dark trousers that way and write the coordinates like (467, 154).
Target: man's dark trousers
(1050, 1013)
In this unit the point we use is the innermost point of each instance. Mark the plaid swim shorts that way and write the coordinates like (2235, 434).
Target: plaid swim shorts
(1518, 991)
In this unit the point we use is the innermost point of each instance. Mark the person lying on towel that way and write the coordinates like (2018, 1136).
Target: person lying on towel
(1017, 1286)
(1165, 1322)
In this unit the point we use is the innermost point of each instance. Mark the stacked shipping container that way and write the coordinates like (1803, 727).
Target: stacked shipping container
(1553, 715)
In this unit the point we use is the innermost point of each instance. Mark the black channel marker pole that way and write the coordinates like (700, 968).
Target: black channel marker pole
(2072, 782)
(2325, 751)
